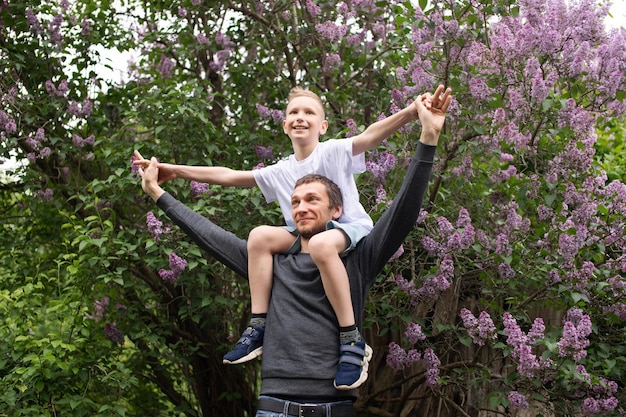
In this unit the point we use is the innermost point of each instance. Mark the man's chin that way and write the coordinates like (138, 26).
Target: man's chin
(309, 233)
(306, 234)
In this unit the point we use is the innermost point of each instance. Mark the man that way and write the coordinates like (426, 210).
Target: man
(298, 363)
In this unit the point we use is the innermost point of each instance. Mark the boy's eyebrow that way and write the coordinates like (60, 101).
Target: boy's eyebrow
(303, 108)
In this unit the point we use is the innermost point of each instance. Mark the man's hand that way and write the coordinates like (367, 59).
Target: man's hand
(432, 113)
(166, 171)
(150, 177)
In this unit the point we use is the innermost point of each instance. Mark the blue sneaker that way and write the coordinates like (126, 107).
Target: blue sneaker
(353, 364)
(248, 347)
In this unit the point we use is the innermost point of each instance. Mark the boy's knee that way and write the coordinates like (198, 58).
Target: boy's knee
(321, 246)
(258, 238)
(259, 234)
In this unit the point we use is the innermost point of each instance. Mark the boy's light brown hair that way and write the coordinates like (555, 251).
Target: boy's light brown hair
(301, 92)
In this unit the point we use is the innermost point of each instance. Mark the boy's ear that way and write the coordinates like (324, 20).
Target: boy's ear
(324, 127)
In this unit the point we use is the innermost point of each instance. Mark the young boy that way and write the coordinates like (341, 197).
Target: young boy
(336, 159)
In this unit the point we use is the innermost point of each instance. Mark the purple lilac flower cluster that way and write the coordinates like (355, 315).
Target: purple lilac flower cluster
(53, 29)
(517, 400)
(331, 61)
(448, 240)
(576, 329)
(7, 124)
(380, 164)
(198, 188)
(408, 287)
(381, 195)
(165, 66)
(414, 333)
(83, 109)
(114, 334)
(264, 152)
(46, 195)
(270, 114)
(527, 362)
(177, 266)
(481, 329)
(618, 286)
(398, 359)
(432, 363)
(99, 308)
(37, 149)
(155, 226)
(82, 142)
(60, 91)
(134, 168)
(451, 239)
(433, 286)
(353, 129)
(599, 397)
(331, 31)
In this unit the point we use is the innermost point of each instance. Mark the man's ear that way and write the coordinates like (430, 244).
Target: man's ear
(337, 212)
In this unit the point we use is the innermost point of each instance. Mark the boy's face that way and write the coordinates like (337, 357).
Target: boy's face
(304, 119)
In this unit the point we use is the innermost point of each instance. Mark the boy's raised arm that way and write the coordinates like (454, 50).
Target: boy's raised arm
(382, 129)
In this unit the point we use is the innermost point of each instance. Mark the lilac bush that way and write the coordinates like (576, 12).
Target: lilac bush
(509, 292)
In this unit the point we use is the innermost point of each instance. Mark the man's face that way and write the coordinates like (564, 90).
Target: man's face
(304, 119)
(310, 209)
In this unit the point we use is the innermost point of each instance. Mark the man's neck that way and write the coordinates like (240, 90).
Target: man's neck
(304, 245)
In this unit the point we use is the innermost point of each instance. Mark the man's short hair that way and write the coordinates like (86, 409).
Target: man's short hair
(301, 92)
(334, 193)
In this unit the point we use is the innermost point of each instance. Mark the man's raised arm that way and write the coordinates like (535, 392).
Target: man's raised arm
(222, 245)
(398, 220)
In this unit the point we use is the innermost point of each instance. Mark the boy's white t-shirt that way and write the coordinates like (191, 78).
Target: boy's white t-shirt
(333, 159)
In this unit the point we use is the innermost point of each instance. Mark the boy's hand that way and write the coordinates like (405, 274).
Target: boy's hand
(166, 171)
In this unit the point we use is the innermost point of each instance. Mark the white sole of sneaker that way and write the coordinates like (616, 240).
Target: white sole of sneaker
(254, 354)
(363, 377)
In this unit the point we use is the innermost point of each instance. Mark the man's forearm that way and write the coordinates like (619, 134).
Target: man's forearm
(399, 219)
(153, 190)
(221, 244)
(429, 137)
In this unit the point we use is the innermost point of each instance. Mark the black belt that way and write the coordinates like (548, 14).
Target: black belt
(307, 410)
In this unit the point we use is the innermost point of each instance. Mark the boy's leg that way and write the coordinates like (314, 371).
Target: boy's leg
(325, 249)
(263, 243)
